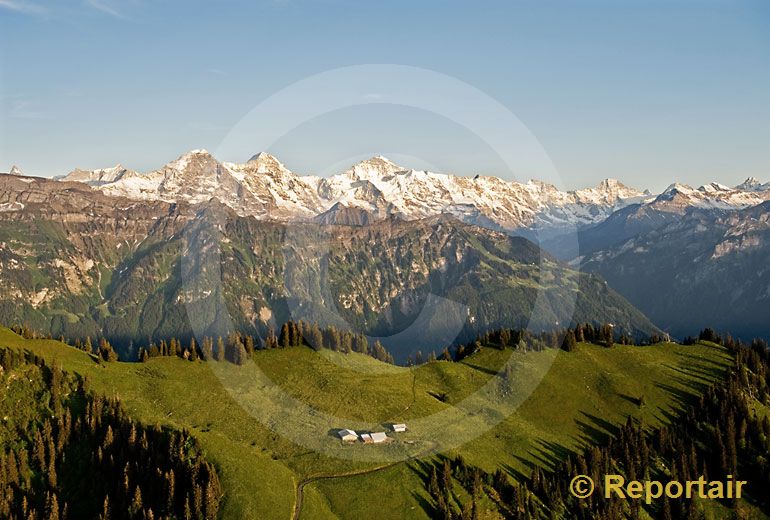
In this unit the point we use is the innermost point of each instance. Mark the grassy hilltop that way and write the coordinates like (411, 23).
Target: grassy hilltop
(581, 399)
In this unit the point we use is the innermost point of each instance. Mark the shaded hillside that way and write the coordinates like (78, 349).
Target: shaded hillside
(615, 229)
(74, 262)
(68, 453)
(702, 268)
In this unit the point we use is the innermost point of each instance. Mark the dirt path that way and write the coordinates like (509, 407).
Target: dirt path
(302, 483)
(414, 391)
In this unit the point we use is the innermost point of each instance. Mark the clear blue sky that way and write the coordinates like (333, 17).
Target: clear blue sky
(648, 92)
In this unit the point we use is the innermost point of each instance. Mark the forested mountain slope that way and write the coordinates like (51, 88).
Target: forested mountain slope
(580, 398)
(77, 263)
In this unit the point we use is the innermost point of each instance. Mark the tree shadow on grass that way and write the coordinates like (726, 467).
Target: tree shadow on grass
(426, 506)
(636, 401)
(482, 369)
(422, 468)
(681, 398)
(516, 474)
(692, 377)
(666, 416)
(697, 377)
(547, 455)
(688, 360)
(595, 430)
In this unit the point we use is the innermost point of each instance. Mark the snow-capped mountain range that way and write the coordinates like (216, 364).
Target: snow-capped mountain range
(678, 197)
(264, 188)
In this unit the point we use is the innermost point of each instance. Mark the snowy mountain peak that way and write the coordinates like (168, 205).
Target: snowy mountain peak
(615, 188)
(679, 197)
(192, 157)
(374, 168)
(200, 154)
(99, 176)
(677, 192)
(15, 170)
(677, 187)
(713, 187)
(377, 188)
(753, 184)
(609, 192)
(114, 170)
(265, 163)
(380, 160)
(262, 157)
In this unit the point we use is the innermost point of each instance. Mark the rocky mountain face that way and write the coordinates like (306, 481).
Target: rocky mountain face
(100, 176)
(678, 198)
(377, 188)
(701, 267)
(264, 188)
(77, 261)
(60, 243)
(115, 257)
(654, 212)
(689, 258)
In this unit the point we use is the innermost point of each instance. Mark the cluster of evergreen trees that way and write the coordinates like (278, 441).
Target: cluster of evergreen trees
(25, 331)
(441, 486)
(80, 456)
(566, 339)
(237, 348)
(303, 333)
(104, 348)
(723, 434)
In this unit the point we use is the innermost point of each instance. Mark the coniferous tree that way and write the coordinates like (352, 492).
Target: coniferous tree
(219, 353)
(120, 447)
(207, 349)
(606, 335)
(316, 338)
(284, 339)
(570, 342)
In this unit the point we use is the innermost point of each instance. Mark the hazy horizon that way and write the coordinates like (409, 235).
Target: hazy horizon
(646, 93)
(407, 161)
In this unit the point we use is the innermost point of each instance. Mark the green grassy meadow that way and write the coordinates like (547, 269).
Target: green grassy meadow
(576, 398)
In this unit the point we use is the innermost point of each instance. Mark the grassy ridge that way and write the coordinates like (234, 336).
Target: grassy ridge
(583, 395)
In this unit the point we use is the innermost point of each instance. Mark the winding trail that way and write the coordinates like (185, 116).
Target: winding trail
(302, 483)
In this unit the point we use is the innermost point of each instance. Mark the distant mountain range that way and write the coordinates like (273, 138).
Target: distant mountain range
(76, 261)
(685, 270)
(264, 188)
(669, 254)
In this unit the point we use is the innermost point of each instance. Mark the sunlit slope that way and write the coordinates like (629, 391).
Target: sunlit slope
(578, 397)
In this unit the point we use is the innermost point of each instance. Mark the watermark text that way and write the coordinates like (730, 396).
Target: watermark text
(616, 486)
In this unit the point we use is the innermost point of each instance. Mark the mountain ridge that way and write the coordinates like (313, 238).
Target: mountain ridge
(716, 273)
(78, 262)
(265, 188)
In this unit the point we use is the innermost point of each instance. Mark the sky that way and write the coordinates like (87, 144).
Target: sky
(648, 92)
